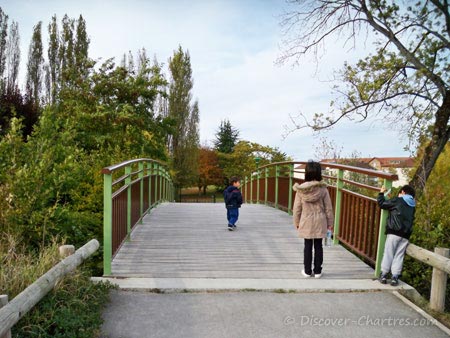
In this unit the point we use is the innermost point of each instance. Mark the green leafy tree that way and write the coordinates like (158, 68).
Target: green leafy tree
(35, 66)
(226, 137)
(241, 162)
(184, 139)
(405, 80)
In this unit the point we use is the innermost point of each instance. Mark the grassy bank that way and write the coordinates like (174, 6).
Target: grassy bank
(72, 309)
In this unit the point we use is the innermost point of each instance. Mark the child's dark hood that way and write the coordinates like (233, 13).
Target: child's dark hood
(231, 188)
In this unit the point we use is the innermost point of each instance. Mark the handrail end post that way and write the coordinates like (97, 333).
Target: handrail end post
(381, 234)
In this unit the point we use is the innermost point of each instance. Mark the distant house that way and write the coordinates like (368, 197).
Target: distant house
(396, 165)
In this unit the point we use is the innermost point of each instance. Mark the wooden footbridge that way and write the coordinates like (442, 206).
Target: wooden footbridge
(152, 242)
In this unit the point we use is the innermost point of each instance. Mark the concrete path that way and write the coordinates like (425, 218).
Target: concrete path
(264, 314)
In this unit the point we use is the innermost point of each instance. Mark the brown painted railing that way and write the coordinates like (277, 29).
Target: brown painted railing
(358, 220)
(131, 189)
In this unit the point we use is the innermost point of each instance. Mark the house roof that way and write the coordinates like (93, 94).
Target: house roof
(385, 162)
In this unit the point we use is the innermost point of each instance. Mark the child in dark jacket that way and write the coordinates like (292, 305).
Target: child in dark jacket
(398, 229)
(233, 201)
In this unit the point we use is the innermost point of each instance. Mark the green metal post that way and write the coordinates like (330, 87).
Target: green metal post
(160, 172)
(128, 183)
(149, 173)
(265, 185)
(337, 212)
(277, 174)
(291, 180)
(257, 186)
(246, 189)
(165, 186)
(107, 224)
(155, 172)
(381, 234)
(141, 195)
(251, 187)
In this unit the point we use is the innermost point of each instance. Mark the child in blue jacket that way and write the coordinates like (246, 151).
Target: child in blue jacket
(233, 201)
(398, 229)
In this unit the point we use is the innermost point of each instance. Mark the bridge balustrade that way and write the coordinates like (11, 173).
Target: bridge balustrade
(131, 189)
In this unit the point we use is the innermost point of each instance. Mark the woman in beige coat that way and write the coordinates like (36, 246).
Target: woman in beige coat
(313, 216)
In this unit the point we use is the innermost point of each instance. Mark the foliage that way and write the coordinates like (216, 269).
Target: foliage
(432, 225)
(72, 309)
(241, 162)
(50, 181)
(184, 138)
(209, 171)
(226, 137)
(406, 80)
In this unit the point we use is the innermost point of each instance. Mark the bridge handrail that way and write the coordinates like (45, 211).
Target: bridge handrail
(110, 169)
(368, 172)
(28, 298)
(141, 184)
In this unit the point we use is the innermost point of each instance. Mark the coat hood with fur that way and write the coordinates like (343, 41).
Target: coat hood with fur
(311, 191)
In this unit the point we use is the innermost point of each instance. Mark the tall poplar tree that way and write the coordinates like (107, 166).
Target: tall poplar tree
(81, 48)
(35, 66)
(66, 49)
(184, 141)
(53, 60)
(3, 35)
(12, 59)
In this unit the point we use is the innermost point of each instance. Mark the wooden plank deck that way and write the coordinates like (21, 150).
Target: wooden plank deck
(192, 241)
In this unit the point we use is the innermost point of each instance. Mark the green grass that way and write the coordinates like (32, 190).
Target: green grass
(72, 309)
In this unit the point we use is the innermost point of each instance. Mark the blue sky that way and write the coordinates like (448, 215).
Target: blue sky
(233, 47)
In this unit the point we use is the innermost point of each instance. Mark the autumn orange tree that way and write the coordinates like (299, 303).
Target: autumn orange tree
(209, 171)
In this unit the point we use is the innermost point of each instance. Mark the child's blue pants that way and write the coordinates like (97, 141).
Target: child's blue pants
(232, 215)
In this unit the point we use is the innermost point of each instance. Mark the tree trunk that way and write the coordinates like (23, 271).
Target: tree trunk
(204, 190)
(439, 138)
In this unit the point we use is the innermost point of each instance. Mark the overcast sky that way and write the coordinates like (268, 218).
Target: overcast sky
(233, 47)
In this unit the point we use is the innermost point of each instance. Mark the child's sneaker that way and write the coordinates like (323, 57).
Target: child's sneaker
(394, 281)
(305, 274)
(317, 275)
(383, 278)
(230, 227)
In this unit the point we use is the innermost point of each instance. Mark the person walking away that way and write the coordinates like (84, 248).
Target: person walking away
(313, 216)
(233, 201)
(398, 230)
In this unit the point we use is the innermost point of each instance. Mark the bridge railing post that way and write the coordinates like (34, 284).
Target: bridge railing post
(251, 187)
(149, 174)
(155, 172)
(107, 224)
(381, 234)
(160, 183)
(338, 205)
(128, 170)
(277, 175)
(258, 176)
(291, 183)
(141, 191)
(266, 172)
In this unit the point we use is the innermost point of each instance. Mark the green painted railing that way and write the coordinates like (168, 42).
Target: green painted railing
(359, 223)
(130, 190)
